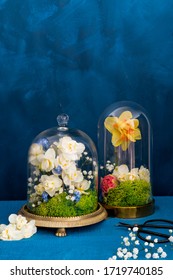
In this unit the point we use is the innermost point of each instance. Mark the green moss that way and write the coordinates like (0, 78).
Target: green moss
(129, 193)
(59, 206)
(41, 210)
(87, 203)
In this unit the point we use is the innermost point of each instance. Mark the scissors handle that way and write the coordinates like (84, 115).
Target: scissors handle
(141, 229)
(160, 220)
(156, 234)
(149, 223)
(127, 225)
(156, 226)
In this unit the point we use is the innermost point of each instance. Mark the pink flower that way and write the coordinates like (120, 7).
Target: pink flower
(108, 182)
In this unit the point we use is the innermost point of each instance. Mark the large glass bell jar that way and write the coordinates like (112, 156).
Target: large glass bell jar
(125, 147)
(62, 172)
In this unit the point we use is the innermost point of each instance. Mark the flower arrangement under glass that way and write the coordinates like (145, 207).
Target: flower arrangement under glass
(125, 157)
(62, 174)
(126, 187)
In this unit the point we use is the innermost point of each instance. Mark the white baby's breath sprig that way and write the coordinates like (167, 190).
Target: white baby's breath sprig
(132, 247)
(137, 242)
(163, 255)
(148, 237)
(148, 256)
(160, 250)
(155, 256)
(170, 238)
(135, 229)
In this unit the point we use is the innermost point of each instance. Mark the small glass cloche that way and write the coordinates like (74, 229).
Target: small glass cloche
(62, 172)
(125, 147)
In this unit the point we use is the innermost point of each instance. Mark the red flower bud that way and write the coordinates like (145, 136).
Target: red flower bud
(108, 182)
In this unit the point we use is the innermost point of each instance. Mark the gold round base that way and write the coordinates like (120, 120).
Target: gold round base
(61, 223)
(130, 212)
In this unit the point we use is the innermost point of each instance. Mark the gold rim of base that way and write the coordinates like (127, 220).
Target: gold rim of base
(66, 222)
(130, 212)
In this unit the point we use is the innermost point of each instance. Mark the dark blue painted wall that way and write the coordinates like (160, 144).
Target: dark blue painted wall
(78, 57)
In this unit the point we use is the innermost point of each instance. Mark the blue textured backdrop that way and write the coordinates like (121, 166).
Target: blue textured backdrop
(79, 57)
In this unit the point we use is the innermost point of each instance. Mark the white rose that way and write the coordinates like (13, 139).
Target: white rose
(35, 152)
(47, 161)
(63, 162)
(70, 149)
(72, 175)
(123, 169)
(83, 186)
(11, 233)
(18, 220)
(121, 172)
(17, 229)
(39, 189)
(51, 184)
(12, 218)
(29, 229)
(2, 227)
(144, 174)
(133, 174)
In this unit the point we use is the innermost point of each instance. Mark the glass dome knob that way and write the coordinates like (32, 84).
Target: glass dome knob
(63, 120)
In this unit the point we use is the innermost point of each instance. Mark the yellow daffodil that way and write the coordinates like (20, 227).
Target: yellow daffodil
(123, 129)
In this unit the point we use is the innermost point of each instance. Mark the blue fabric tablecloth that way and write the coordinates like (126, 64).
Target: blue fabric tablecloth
(95, 242)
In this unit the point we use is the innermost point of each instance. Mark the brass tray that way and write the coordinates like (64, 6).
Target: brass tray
(61, 223)
(130, 212)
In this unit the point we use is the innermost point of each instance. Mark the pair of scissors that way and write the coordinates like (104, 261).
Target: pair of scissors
(145, 229)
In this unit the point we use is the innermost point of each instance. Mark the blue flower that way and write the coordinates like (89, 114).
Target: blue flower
(77, 196)
(45, 196)
(57, 170)
(44, 142)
